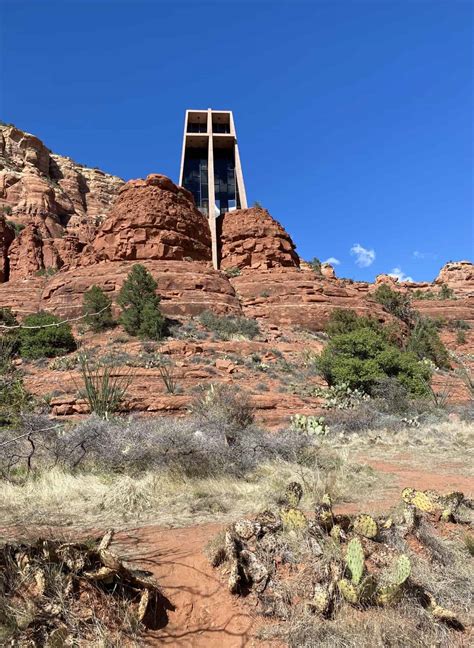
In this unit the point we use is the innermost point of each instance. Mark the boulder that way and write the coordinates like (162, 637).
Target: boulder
(152, 219)
(251, 238)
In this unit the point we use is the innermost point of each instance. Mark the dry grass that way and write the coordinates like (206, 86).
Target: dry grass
(59, 498)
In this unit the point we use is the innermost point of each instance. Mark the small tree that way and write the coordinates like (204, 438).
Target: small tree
(46, 338)
(396, 303)
(315, 266)
(141, 313)
(97, 306)
(425, 342)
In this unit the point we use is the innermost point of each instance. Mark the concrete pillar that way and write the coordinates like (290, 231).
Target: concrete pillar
(239, 176)
(211, 190)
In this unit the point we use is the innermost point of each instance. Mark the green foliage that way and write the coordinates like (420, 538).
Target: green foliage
(141, 314)
(460, 337)
(6, 209)
(257, 205)
(396, 303)
(46, 272)
(14, 399)
(341, 397)
(446, 292)
(345, 320)
(102, 390)
(227, 327)
(363, 357)
(315, 265)
(49, 340)
(97, 306)
(232, 272)
(424, 342)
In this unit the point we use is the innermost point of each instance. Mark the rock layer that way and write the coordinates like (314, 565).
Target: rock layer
(52, 191)
(153, 219)
(252, 238)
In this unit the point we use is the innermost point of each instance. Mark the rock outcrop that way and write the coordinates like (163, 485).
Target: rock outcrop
(49, 190)
(153, 219)
(7, 236)
(252, 238)
(30, 253)
(459, 276)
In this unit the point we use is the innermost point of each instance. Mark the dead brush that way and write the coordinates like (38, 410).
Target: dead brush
(55, 593)
(342, 580)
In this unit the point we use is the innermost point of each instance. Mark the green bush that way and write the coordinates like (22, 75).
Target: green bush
(316, 265)
(396, 303)
(227, 327)
(363, 357)
(141, 313)
(424, 342)
(97, 306)
(445, 292)
(52, 340)
(345, 320)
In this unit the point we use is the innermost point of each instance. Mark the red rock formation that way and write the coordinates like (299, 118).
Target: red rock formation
(30, 253)
(252, 238)
(7, 235)
(153, 219)
(459, 276)
(50, 190)
(294, 297)
(186, 287)
(328, 271)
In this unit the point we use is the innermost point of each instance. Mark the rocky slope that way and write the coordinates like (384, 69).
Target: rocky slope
(82, 227)
(51, 194)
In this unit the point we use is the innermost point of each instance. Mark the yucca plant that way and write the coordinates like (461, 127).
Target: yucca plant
(102, 390)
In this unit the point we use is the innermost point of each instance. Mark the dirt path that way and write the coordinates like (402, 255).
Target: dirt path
(202, 613)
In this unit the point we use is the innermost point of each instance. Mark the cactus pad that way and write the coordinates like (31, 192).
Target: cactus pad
(388, 594)
(335, 533)
(348, 590)
(293, 494)
(293, 518)
(320, 598)
(355, 560)
(366, 526)
(401, 570)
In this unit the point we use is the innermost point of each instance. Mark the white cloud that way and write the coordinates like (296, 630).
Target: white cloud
(400, 275)
(424, 255)
(364, 257)
(333, 261)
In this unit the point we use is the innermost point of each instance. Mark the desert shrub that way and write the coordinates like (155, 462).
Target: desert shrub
(14, 398)
(315, 265)
(97, 307)
(49, 338)
(396, 303)
(424, 342)
(445, 292)
(141, 315)
(232, 272)
(461, 337)
(227, 327)
(102, 390)
(389, 395)
(226, 405)
(363, 357)
(191, 447)
(361, 419)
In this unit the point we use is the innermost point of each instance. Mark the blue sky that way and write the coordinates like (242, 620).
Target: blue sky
(354, 118)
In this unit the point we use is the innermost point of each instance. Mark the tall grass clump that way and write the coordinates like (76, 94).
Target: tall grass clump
(227, 327)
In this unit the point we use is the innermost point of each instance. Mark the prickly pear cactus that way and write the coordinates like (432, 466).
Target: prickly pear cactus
(401, 570)
(355, 560)
(366, 526)
(293, 494)
(323, 512)
(388, 594)
(348, 590)
(321, 598)
(391, 587)
(293, 519)
(336, 533)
